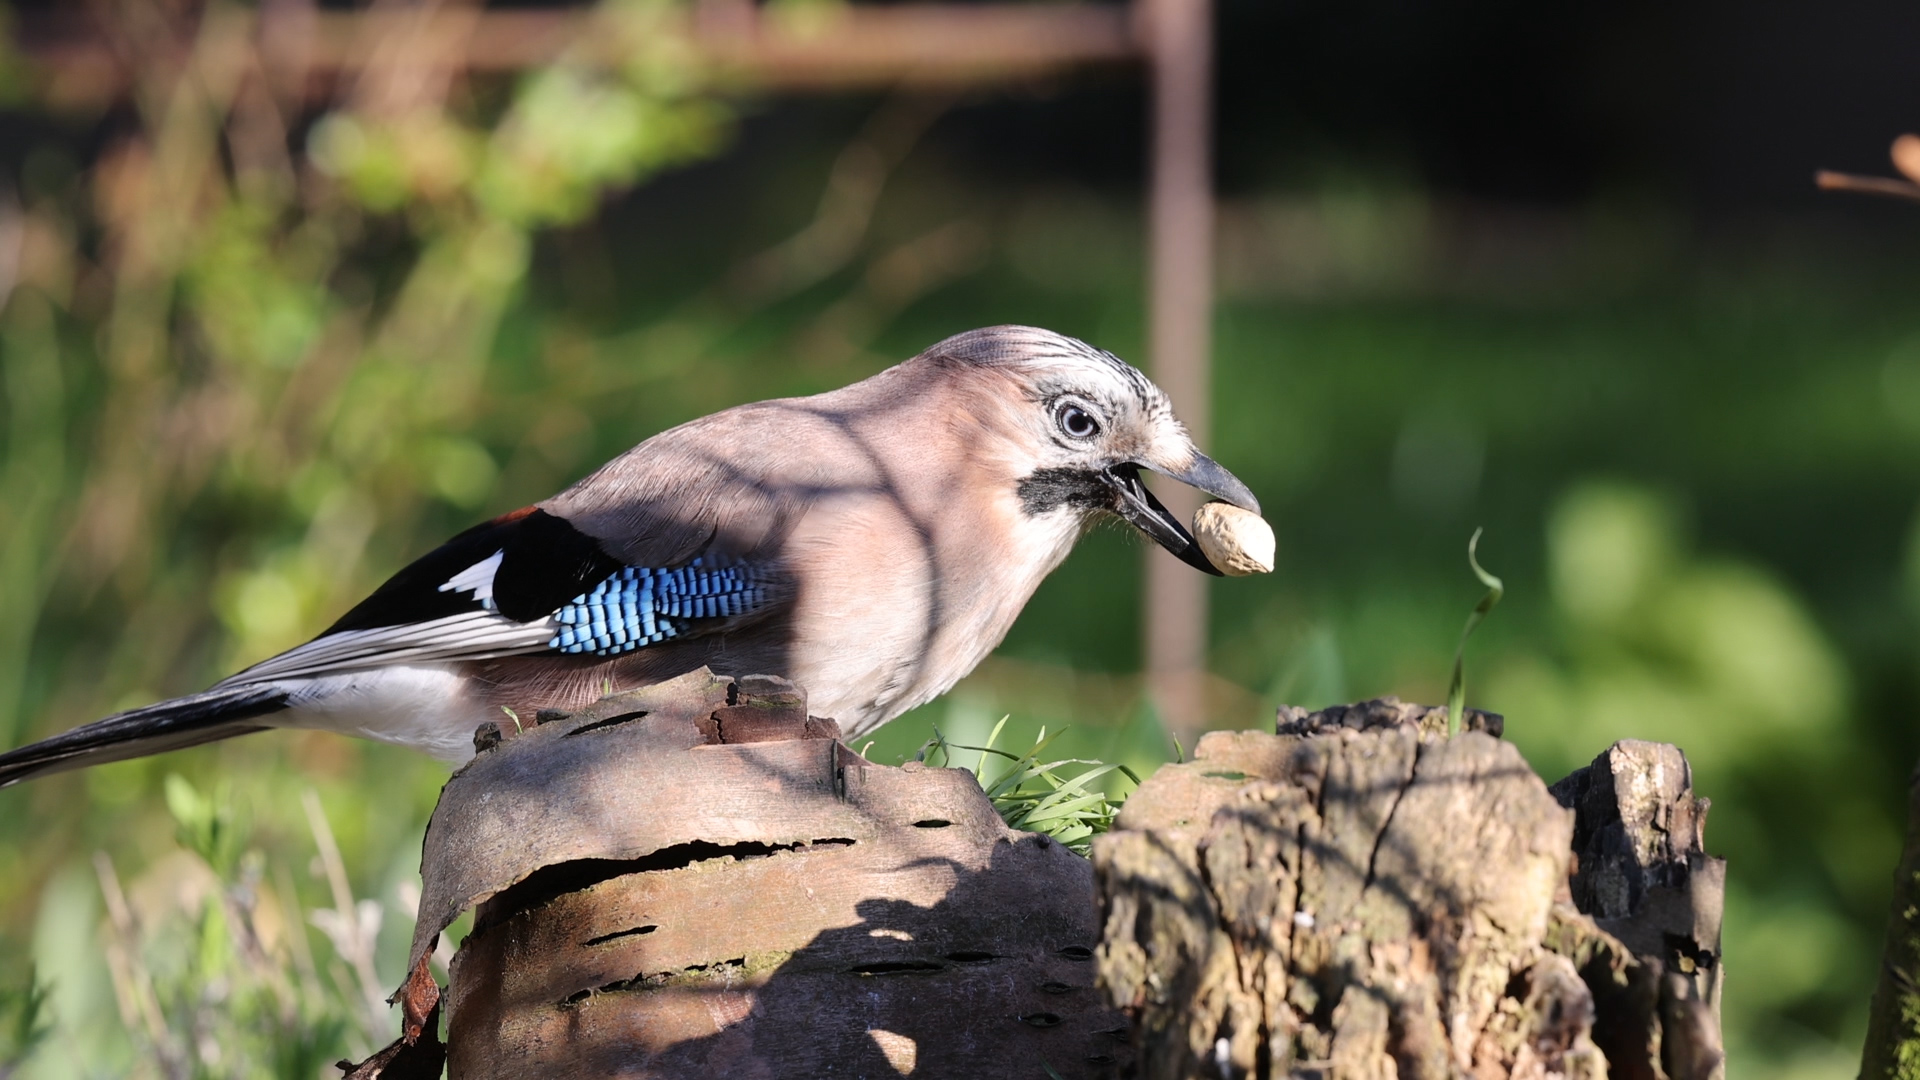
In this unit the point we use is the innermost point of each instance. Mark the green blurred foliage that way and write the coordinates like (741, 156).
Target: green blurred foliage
(244, 349)
(203, 824)
(252, 364)
(25, 1024)
(210, 966)
(1716, 655)
(1720, 657)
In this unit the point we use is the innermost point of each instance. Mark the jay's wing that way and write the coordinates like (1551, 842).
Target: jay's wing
(527, 583)
(530, 583)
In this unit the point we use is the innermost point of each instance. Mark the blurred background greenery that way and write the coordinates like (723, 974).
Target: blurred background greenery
(1560, 274)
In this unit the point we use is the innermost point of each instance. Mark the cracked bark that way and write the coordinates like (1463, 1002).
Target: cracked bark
(1645, 879)
(1358, 896)
(697, 880)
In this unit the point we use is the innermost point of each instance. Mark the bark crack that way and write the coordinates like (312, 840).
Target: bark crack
(549, 883)
(1400, 796)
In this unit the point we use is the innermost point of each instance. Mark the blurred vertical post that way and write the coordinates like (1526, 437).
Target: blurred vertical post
(1179, 41)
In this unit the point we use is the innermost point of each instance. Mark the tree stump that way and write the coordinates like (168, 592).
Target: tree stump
(697, 880)
(1645, 879)
(1358, 896)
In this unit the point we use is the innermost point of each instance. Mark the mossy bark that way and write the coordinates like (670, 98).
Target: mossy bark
(1893, 1026)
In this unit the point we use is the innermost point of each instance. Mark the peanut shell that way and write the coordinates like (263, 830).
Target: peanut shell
(1237, 541)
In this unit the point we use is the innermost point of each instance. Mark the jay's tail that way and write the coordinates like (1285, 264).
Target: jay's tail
(169, 725)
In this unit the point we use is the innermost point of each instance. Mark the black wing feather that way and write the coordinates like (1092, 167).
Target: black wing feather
(546, 562)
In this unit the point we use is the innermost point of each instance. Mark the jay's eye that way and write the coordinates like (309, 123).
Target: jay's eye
(1077, 422)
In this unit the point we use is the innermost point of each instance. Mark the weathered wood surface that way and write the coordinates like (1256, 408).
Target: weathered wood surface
(697, 880)
(571, 787)
(655, 899)
(1361, 897)
(1644, 877)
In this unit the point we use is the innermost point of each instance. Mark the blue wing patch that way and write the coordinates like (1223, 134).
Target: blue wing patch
(639, 606)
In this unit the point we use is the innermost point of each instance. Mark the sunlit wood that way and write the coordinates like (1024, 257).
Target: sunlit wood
(836, 47)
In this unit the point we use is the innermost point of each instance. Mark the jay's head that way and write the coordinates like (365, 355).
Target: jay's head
(1087, 424)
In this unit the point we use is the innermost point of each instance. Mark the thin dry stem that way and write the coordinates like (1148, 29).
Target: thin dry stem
(132, 982)
(1827, 180)
(350, 939)
(296, 921)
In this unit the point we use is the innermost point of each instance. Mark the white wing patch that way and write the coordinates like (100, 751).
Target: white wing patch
(471, 635)
(477, 579)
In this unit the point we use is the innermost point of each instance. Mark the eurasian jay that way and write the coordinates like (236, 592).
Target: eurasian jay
(872, 544)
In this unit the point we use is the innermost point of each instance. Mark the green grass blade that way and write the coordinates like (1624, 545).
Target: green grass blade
(1457, 685)
(1070, 808)
(992, 737)
(1035, 793)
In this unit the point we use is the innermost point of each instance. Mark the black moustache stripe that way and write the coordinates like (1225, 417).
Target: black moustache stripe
(1050, 489)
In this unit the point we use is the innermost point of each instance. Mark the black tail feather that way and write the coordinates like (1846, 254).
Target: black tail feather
(168, 725)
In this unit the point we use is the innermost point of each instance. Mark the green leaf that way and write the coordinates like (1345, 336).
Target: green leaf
(204, 824)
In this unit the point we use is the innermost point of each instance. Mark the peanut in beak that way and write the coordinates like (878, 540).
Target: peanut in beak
(1237, 541)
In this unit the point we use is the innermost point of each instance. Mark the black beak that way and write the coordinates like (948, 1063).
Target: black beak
(1136, 504)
